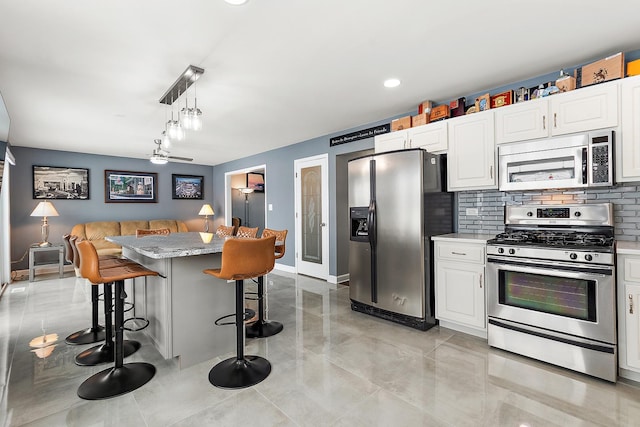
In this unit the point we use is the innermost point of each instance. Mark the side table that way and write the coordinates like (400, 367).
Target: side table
(33, 265)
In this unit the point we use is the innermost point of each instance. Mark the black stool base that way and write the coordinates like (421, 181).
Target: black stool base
(104, 353)
(86, 336)
(233, 373)
(263, 329)
(114, 382)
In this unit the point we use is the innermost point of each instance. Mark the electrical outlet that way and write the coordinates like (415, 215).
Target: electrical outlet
(472, 211)
(270, 207)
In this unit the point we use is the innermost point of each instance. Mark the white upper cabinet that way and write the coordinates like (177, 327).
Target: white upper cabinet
(628, 143)
(471, 159)
(522, 121)
(431, 137)
(580, 110)
(391, 141)
(584, 109)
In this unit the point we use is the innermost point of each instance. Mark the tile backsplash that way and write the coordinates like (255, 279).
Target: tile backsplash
(490, 207)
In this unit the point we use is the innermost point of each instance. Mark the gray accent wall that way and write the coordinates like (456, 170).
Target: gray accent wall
(490, 204)
(280, 192)
(26, 229)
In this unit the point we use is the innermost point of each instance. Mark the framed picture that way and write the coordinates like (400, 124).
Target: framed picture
(187, 187)
(126, 187)
(255, 181)
(52, 182)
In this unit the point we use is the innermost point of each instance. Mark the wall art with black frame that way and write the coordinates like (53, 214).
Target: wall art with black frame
(53, 182)
(189, 187)
(130, 187)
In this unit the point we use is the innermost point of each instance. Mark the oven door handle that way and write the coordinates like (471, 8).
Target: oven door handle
(538, 266)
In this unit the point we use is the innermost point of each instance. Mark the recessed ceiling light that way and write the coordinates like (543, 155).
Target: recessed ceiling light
(236, 2)
(391, 83)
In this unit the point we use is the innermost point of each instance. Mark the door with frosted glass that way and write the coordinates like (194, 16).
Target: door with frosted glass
(312, 213)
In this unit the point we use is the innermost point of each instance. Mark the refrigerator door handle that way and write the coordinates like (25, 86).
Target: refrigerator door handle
(371, 225)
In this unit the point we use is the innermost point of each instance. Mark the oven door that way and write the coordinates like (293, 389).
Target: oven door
(573, 299)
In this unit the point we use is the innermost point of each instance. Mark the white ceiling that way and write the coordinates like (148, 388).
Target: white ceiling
(87, 75)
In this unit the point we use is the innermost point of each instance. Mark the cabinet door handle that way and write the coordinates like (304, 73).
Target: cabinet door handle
(491, 171)
(630, 303)
(459, 253)
(544, 122)
(480, 281)
(555, 120)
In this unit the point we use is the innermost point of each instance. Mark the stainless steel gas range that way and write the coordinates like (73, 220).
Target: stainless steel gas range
(551, 286)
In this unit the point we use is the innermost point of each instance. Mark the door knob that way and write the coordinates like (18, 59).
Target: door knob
(322, 224)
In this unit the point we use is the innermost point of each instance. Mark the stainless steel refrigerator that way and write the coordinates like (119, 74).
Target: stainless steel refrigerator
(396, 203)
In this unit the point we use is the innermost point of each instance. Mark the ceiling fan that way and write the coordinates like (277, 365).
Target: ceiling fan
(161, 157)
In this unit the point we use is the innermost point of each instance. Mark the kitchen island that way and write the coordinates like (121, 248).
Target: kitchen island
(183, 302)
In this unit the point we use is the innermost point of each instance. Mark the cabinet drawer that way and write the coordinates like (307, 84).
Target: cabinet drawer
(466, 252)
(631, 269)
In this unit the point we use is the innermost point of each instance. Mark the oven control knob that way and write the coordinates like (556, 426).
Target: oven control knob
(588, 257)
(529, 213)
(573, 256)
(512, 251)
(500, 250)
(577, 213)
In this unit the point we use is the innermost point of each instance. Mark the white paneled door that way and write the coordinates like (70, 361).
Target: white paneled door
(312, 215)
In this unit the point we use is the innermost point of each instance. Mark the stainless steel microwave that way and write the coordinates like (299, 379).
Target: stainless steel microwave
(572, 161)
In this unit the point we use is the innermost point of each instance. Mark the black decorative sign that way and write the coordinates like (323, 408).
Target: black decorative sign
(361, 134)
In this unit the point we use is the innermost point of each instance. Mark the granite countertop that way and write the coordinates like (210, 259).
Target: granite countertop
(464, 237)
(630, 248)
(172, 246)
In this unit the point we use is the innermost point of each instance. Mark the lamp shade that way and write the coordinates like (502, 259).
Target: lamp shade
(206, 210)
(45, 208)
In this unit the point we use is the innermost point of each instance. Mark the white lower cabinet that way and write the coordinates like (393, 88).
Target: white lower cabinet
(460, 286)
(629, 316)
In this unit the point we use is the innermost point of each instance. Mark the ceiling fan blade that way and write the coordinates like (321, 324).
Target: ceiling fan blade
(185, 159)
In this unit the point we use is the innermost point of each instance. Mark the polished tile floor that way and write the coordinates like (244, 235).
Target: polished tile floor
(331, 366)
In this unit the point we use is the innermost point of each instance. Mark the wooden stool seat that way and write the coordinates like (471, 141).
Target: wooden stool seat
(242, 259)
(121, 378)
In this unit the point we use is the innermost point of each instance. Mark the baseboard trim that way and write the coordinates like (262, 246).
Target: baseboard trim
(338, 279)
(285, 268)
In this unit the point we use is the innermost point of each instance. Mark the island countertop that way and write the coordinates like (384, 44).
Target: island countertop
(173, 245)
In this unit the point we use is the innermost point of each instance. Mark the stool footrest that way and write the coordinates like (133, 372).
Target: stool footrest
(248, 314)
(141, 319)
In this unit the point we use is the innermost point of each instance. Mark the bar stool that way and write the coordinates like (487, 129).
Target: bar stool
(242, 259)
(264, 328)
(248, 232)
(224, 231)
(95, 333)
(121, 378)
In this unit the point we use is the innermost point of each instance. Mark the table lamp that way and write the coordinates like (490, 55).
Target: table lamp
(206, 210)
(45, 209)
